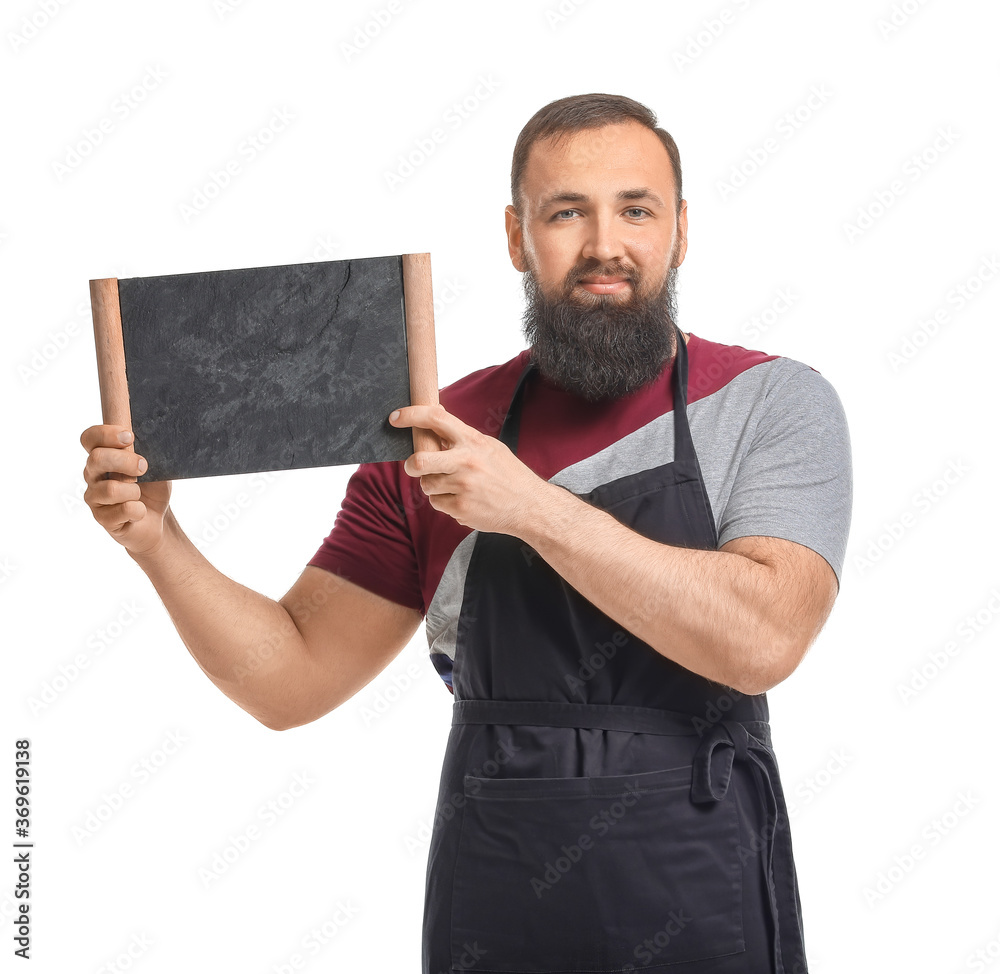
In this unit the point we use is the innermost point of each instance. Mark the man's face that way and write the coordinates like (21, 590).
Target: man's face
(599, 241)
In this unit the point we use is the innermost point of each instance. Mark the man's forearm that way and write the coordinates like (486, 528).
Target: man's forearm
(742, 617)
(713, 612)
(245, 642)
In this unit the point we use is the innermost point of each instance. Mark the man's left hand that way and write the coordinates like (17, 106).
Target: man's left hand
(475, 478)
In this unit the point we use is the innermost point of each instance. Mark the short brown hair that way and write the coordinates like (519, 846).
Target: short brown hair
(577, 112)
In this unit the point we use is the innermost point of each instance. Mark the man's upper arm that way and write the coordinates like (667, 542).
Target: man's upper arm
(802, 592)
(350, 634)
(795, 479)
(790, 508)
(358, 602)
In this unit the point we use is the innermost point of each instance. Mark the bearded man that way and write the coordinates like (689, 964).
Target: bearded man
(630, 534)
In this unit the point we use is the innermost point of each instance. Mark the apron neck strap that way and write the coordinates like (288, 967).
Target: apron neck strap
(683, 444)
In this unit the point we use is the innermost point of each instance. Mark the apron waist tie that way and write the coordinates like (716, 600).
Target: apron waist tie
(723, 743)
(729, 741)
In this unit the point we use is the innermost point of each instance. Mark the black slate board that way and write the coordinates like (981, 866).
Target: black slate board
(266, 368)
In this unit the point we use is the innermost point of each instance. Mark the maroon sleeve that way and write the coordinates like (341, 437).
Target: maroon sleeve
(370, 543)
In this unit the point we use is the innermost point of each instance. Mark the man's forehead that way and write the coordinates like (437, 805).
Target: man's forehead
(626, 159)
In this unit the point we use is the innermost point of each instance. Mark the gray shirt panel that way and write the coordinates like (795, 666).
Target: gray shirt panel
(774, 451)
(787, 470)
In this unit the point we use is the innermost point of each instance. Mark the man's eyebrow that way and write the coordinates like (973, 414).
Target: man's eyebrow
(642, 193)
(639, 193)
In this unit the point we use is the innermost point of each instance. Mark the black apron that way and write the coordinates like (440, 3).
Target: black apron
(601, 807)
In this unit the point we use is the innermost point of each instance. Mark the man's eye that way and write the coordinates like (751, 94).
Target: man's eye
(636, 211)
(562, 213)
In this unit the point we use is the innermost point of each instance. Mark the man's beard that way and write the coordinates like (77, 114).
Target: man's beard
(603, 348)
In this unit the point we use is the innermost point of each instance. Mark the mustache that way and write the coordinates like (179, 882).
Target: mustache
(592, 268)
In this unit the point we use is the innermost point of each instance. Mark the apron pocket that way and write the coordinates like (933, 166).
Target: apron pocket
(600, 874)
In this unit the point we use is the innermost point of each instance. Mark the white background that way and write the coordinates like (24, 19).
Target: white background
(894, 801)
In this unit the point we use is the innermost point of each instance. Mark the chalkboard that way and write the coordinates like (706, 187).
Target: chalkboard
(266, 368)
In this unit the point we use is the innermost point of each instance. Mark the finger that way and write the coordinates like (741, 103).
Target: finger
(104, 493)
(447, 504)
(115, 516)
(104, 460)
(435, 418)
(425, 462)
(111, 436)
(437, 484)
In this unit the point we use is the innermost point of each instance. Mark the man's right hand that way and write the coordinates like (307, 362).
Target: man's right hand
(131, 513)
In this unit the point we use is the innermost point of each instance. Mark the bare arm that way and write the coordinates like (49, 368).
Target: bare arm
(743, 615)
(286, 662)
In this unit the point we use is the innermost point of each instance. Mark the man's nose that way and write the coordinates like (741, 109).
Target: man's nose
(603, 241)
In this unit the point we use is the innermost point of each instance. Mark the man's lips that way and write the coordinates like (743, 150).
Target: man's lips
(604, 284)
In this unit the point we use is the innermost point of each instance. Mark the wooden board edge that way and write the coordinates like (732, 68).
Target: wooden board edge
(106, 311)
(418, 300)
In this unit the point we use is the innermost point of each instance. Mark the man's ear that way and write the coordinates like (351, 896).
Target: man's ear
(682, 234)
(515, 240)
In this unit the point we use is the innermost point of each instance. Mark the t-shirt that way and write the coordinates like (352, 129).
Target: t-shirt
(770, 433)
